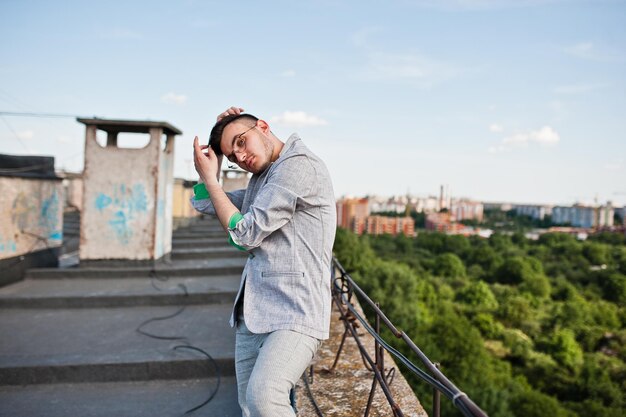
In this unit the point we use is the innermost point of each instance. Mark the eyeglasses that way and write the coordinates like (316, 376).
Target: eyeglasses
(239, 145)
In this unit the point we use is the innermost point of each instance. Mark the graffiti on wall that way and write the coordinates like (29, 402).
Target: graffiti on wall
(49, 217)
(22, 211)
(33, 217)
(7, 245)
(122, 206)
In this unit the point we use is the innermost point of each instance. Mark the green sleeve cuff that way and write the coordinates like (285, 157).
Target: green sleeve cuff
(234, 219)
(232, 242)
(200, 192)
(232, 223)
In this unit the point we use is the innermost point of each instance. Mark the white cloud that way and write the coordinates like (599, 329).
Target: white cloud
(288, 73)
(546, 136)
(63, 139)
(174, 98)
(298, 119)
(418, 70)
(25, 134)
(578, 88)
(496, 128)
(406, 67)
(589, 51)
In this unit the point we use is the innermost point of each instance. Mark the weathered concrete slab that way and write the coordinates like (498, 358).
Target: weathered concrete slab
(102, 344)
(204, 267)
(115, 292)
(202, 233)
(200, 252)
(105, 399)
(200, 242)
(199, 228)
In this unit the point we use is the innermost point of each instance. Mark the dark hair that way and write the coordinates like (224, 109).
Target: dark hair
(215, 139)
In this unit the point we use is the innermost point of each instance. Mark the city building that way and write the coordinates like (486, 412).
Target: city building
(377, 225)
(442, 222)
(580, 215)
(537, 212)
(354, 214)
(351, 213)
(464, 209)
(497, 206)
(395, 204)
(427, 205)
(621, 213)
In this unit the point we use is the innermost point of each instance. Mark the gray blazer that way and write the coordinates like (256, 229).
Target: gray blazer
(288, 228)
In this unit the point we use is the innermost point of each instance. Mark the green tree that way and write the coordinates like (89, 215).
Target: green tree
(515, 311)
(488, 327)
(457, 244)
(449, 265)
(597, 253)
(353, 254)
(479, 296)
(531, 403)
(432, 242)
(614, 287)
(514, 270)
(537, 285)
(500, 242)
(486, 257)
(565, 350)
(595, 381)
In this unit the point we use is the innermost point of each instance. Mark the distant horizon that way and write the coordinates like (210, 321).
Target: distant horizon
(487, 201)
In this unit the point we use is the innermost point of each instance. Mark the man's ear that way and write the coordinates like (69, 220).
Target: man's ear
(263, 126)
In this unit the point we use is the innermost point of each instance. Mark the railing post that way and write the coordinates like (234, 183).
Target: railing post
(379, 352)
(436, 398)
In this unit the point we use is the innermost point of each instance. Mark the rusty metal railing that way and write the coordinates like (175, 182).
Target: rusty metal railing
(343, 290)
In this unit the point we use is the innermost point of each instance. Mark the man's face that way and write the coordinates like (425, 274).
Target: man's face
(247, 145)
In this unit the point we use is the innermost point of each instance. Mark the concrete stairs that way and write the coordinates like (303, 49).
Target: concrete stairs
(73, 341)
(71, 231)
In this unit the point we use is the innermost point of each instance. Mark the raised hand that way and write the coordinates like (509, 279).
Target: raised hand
(231, 110)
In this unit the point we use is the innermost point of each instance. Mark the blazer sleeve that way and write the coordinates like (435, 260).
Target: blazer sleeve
(275, 203)
(201, 201)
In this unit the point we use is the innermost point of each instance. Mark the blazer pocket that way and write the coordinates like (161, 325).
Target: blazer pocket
(269, 274)
(286, 291)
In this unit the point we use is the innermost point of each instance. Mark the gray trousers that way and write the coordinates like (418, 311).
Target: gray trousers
(268, 365)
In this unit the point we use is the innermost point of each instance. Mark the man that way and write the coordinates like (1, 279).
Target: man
(285, 219)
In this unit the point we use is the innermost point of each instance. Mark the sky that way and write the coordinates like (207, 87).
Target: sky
(521, 101)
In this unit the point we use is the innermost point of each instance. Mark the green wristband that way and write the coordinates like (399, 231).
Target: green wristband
(232, 242)
(232, 223)
(200, 192)
(234, 219)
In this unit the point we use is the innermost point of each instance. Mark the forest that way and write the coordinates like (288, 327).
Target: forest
(524, 327)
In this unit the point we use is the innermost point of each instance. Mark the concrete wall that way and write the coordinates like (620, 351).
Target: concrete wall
(234, 180)
(163, 219)
(127, 210)
(183, 191)
(73, 192)
(32, 216)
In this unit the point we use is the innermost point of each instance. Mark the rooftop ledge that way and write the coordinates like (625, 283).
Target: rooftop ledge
(344, 391)
(133, 126)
